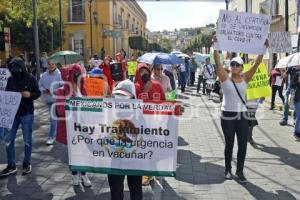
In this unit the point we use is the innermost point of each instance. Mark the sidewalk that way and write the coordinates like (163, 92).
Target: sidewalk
(273, 168)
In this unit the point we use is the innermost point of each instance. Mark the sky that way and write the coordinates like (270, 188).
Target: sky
(168, 15)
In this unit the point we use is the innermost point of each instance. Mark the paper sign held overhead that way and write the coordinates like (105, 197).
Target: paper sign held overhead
(242, 32)
(280, 42)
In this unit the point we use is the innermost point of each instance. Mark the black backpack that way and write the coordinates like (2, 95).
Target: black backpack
(116, 71)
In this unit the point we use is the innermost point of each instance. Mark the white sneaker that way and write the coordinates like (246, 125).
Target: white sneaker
(50, 141)
(76, 179)
(86, 181)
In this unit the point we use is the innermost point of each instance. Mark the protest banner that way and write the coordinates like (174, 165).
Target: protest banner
(94, 86)
(4, 74)
(125, 137)
(259, 85)
(9, 104)
(242, 32)
(280, 42)
(132, 65)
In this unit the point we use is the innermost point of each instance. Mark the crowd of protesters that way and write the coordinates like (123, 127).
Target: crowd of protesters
(123, 78)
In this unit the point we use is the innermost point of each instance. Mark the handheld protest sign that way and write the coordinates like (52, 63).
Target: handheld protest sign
(280, 42)
(259, 85)
(9, 104)
(4, 75)
(242, 32)
(121, 136)
(94, 86)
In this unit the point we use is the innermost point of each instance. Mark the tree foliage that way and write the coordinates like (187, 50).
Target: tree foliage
(18, 15)
(47, 11)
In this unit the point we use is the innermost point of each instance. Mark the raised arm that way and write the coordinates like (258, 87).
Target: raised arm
(221, 72)
(249, 74)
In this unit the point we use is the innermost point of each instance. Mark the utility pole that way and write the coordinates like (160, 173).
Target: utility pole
(286, 27)
(227, 4)
(91, 26)
(36, 40)
(60, 26)
(287, 18)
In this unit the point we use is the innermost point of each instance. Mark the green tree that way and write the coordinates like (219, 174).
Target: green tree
(18, 15)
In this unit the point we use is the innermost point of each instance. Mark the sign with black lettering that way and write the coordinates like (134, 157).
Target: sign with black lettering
(118, 136)
(280, 42)
(4, 74)
(9, 104)
(242, 32)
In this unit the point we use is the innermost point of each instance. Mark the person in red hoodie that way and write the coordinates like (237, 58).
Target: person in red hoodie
(71, 75)
(119, 59)
(146, 88)
(105, 66)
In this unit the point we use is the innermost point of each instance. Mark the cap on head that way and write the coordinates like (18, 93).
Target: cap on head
(96, 71)
(237, 59)
(125, 88)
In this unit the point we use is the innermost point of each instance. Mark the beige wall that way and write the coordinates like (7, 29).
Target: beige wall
(103, 20)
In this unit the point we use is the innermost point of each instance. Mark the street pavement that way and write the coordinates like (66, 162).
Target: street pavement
(272, 166)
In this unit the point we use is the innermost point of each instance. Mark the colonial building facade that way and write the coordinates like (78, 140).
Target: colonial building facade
(90, 25)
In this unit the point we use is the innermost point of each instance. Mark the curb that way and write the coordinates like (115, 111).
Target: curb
(279, 107)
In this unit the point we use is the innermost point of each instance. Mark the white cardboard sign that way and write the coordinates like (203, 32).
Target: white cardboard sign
(9, 104)
(280, 42)
(242, 32)
(4, 74)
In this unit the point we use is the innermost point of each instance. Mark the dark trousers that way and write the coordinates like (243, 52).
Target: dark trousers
(200, 80)
(182, 81)
(171, 77)
(276, 88)
(234, 123)
(116, 184)
(192, 78)
(204, 87)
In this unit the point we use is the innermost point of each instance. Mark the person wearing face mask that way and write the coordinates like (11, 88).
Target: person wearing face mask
(24, 83)
(50, 81)
(147, 89)
(125, 90)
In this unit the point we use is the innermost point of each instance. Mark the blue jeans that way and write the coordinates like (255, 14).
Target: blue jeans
(53, 122)
(297, 125)
(26, 122)
(286, 106)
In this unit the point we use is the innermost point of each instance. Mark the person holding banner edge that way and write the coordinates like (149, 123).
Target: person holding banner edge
(125, 90)
(234, 119)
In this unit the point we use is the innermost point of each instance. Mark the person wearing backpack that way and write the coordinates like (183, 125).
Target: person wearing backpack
(234, 118)
(208, 72)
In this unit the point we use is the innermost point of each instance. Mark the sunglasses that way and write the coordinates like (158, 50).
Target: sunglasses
(158, 69)
(235, 64)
